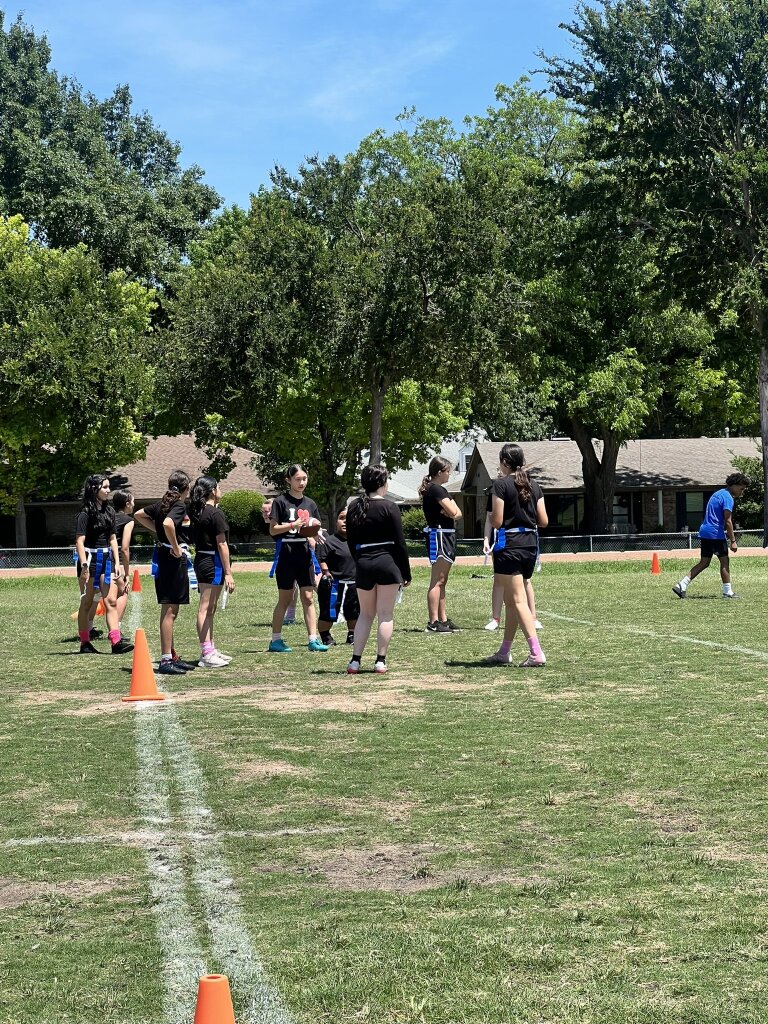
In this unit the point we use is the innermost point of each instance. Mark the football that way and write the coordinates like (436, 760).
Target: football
(310, 529)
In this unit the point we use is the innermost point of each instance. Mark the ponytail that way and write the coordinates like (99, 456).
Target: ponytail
(371, 479)
(178, 482)
(203, 488)
(511, 456)
(437, 465)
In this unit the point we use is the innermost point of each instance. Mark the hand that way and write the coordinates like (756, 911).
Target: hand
(327, 574)
(85, 572)
(176, 552)
(407, 583)
(229, 582)
(486, 548)
(734, 546)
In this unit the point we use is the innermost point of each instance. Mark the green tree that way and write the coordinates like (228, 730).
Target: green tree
(74, 381)
(82, 170)
(751, 505)
(243, 512)
(674, 99)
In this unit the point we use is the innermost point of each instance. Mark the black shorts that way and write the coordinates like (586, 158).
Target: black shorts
(172, 579)
(711, 547)
(329, 611)
(208, 569)
(294, 566)
(376, 567)
(515, 562)
(441, 544)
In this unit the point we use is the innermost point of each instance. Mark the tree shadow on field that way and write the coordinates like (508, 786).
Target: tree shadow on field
(452, 663)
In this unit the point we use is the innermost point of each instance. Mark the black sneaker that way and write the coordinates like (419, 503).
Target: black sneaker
(437, 627)
(122, 647)
(96, 634)
(677, 589)
(350, 636)
(88, 648)
(187, 666)
(171, 668)
(452, 626)
(328, 640)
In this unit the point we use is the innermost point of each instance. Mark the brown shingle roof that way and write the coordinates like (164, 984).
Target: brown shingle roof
(148, 479)
(660, 462)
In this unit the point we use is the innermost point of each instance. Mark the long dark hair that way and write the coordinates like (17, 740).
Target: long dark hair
(291, 472)
(121, 500)
(437, 465)
(371, 479)
(178, 482)
(103, 514)
(511, 456)
(201, 492)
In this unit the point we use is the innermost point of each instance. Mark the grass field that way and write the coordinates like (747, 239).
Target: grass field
(449, 843)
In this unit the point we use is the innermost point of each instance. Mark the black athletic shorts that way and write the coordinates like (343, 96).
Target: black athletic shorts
(441, 544)
(376, 567)
(294, 566)
(711, 547)
(351, 607)
(515, 562)
(172, 579)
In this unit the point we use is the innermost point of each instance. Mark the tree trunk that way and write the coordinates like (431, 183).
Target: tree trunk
(599, 477)
(21, 524)
(763, 389)
(378, 390)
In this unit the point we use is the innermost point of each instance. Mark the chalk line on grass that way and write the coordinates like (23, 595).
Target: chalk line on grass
(135, 605)
(653, 635)
(189, 838)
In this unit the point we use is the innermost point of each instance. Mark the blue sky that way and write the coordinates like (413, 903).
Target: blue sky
(245, 84)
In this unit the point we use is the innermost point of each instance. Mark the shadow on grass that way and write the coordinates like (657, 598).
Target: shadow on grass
(473, 664)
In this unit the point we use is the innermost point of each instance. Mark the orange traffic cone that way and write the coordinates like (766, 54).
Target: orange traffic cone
(214, 1002)
(100, 608)
(136, 585)
(655, 567)
(143, 684)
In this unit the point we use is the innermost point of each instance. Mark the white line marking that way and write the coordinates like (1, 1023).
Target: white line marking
(135, 604)
(676, 637)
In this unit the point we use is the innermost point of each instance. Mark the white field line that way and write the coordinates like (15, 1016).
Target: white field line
(183, 954)
(652, 635)
(135, 602)
(230, 941)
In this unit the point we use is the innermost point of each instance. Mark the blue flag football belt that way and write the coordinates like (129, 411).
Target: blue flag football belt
(279, 547)
(99, 562)
(218, 568)
(335, 604)
(435, 542)
(185, 551)
(500, 542)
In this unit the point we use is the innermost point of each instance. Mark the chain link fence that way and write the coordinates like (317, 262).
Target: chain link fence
(263, 551)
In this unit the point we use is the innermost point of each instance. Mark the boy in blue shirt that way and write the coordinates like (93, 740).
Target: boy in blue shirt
(716, 533)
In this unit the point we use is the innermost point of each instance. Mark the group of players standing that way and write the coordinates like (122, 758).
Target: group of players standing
(359, 571)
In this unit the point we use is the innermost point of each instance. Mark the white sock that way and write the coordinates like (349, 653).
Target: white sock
(685, 582)
(276, 636)
(166, 657)
(727, 588)
(312, 636)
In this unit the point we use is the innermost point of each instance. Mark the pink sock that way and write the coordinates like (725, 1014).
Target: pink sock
(206, 648)
(85, 636)
(506, 646)
(534, 646)
(114, 636)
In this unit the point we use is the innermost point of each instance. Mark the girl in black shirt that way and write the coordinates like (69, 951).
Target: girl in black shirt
(98, 564)
(375, 539)
(441, 513)
(169, 565)
(122, 502)
(212, 565)
(517, 511)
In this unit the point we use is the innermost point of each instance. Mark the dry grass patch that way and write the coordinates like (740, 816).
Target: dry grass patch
(673, 823)
(261, 768)
(14, 893)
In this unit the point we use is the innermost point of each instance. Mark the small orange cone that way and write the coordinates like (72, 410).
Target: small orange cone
(655, 567)
(100, 608)
(214, 1002)
(136, 585)
(143, 683)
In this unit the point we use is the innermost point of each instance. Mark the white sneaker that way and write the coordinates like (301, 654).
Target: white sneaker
(213, 660)
(380, 667)
(538, 625)
(532, 661)
(226, 657)
(492, 625)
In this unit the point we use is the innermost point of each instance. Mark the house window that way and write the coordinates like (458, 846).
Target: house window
(694, 510)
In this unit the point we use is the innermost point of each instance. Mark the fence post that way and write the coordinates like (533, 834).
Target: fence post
(590, 544)
(690, 542)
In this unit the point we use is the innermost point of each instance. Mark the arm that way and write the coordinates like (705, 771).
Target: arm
(728, 524)
(125, 547)
(115, 556)
(281, 529)
(221, 544)
(449, 506)
(144, 521)
(80, 546)
(401, 551)
(497, 512)
(487, 534)
(170, 532)
(542, 519)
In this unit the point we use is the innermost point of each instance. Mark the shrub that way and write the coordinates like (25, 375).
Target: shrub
(749, 510)
(243, 511)
(414, 522)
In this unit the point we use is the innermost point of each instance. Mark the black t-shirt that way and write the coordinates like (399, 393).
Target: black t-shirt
(96, 528)
(382, 523)
(516, 512)
(211, 523)
(433, 513)
(177, 513)
(335, 553)
(285, 509)
(121, 519)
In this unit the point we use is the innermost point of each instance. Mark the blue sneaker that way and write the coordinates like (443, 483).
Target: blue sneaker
(279, 647)
(315, 645)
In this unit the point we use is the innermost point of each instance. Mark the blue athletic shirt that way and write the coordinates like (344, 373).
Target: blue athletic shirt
(713, 527)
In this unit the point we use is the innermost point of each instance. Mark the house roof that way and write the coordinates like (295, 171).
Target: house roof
(658, 462)
(148, 479)
(404, 484)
